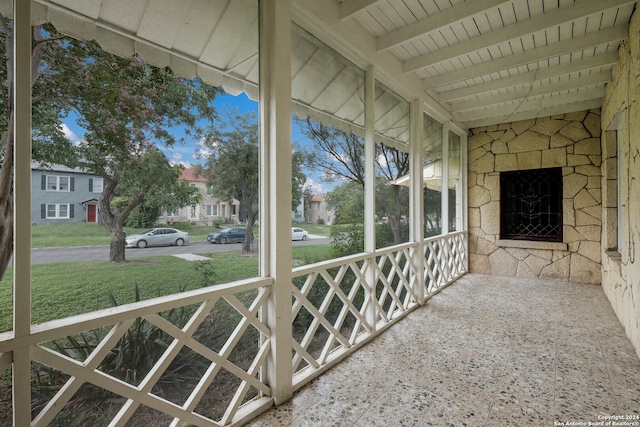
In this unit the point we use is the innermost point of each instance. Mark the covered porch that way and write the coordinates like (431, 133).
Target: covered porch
(485, 351)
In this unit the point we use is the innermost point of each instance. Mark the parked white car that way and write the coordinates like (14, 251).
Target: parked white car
(158, 237)
(299, 234)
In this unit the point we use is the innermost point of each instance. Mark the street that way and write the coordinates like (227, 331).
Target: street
(91, 253)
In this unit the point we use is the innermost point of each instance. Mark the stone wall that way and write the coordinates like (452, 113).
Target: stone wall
(570, 141)
(621, 146)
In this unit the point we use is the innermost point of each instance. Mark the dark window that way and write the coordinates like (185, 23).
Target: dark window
(531, 205)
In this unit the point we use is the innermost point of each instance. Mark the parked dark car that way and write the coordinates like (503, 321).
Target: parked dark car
(229, 235)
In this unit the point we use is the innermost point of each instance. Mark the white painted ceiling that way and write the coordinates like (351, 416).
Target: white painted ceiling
(479, 62)
(492, 61)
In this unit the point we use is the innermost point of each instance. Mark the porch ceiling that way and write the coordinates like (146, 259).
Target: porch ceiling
(489, 61)
(483, 61)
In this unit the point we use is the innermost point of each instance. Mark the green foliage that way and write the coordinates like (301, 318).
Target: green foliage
(182, 225)
(347, 241)
(347, 202)
(144, 215)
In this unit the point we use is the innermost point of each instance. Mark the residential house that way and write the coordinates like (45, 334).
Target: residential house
(208, 210)
(317, 211)
(62, 194)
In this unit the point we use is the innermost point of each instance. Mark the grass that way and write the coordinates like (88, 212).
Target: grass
(65, 289)
(88, 234)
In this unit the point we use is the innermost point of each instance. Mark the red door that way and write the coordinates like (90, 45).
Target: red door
(91, 213)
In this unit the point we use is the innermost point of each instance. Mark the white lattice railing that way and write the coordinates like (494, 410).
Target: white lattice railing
(339, 304)
(184, 327)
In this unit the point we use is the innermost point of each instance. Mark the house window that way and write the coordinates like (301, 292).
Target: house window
(233, 210)
(531, 205)
(57, 211)
(209, 190)
(174, 213)
(96, 185)
(212, 210)
(58, 183)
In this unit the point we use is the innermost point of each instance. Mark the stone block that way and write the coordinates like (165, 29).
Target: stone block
(596, 160)
(478, 140)
(485, 247)
(476, 153)
(506, 162)
(518, 253)
(499, 147)
(583, 218)
(508, 136)
(584, 270)
(589, 170)
(522, 126)
(479, 264)
(536, 264)
(558, 140)
(545, 254)
(591, 250)
(496, 135)
(568, 213)
(590, 232)
(478, 196)
(530, 141)
(575, 131)
(594, 211)
(576, 116)
(529, 160)
(572, 185)
(577, 160)
(492, 183)
(584, 199)
(558, 270)
(502, 263)
(525, 271)
(474, 217)
(588, 146)
(483, 164)
(596, 193)
(549, 127)
(490, 217)
(554, 157)
(472, 179)
(570, 235)
(592, 124)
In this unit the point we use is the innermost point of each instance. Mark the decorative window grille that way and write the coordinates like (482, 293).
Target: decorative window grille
(531, 205)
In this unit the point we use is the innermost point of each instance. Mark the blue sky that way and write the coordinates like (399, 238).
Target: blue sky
(186, 154)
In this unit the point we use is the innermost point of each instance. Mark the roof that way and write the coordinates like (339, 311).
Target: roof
(189, 175)
(472, 62)
(317, 197)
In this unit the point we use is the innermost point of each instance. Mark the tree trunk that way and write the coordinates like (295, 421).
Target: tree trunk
(117, 245)
(394, 220)
(251, 219)
(6, 203)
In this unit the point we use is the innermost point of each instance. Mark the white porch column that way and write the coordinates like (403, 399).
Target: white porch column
(445, 178)
(416, 200)
(275, 198)
(370, 187)
(21, 210)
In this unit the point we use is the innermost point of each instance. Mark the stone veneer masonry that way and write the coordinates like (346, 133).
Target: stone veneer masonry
(570, 141)
(621, 146)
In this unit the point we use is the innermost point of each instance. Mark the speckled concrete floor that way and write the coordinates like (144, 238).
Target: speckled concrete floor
(487, 351)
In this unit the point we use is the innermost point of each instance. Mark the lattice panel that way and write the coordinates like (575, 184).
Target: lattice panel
(393, 288)
(328, 312)
(445, 261)
(173, 365)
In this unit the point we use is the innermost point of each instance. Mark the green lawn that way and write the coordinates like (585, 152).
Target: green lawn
(66, 289)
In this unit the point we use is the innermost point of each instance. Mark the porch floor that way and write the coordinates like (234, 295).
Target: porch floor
(486, 351)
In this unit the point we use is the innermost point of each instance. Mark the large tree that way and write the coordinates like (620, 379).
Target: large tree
(340, 155)
(232, 167)
(127, 110)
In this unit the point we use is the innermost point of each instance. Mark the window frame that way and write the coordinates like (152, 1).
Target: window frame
(530, 174)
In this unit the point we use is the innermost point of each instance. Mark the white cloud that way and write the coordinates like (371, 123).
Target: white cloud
(177, 156)
(315, 187)
(69, 134)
